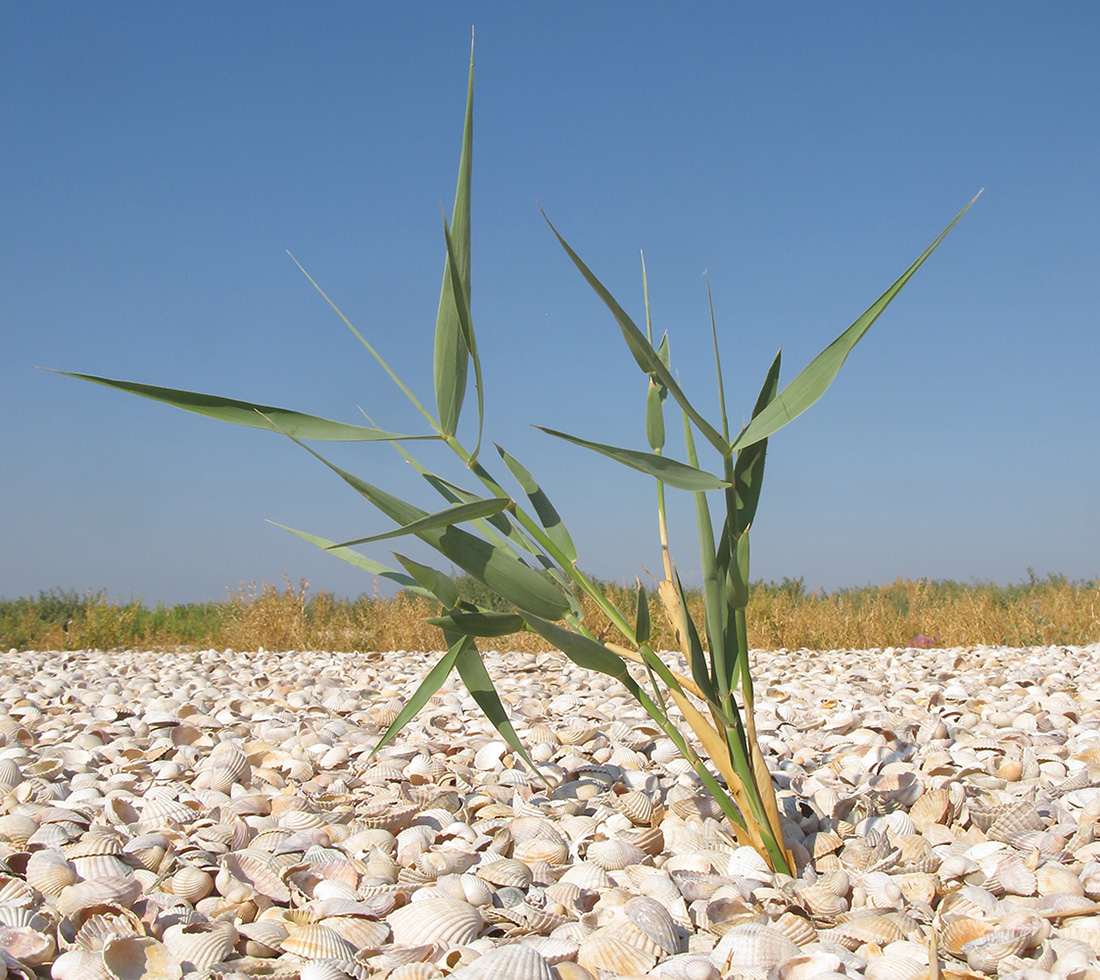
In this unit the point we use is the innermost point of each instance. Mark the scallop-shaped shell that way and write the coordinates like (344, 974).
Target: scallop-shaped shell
(49, 872)
(877, 929)
(754, 946)
(553, 852)
(902, 786)
(651, 927)
(98, 891)
(822, 900)
(606, 953)
(31, 946)
(192, 884)
(140, 958)
(438, 921)
(263, 937)
(361, 932)
(576, 734)
(1053, 879)
(198, 945)
(251, 870)
(385, 813)
(932, 807)
(230, 756)
(634, 804)
(613, 854)
(985, 953)
(512, 962)
(79, 964)
(313, 941)
(1017, 818)
(955, 935)
(1011, 877)
(892, 967)
(506, 872)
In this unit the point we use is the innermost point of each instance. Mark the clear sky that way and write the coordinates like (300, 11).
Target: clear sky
(160, 159)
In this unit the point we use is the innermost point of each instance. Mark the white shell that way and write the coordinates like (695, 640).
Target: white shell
(438, 921)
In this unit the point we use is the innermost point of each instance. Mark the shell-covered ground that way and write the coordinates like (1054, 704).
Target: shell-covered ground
(217, 815)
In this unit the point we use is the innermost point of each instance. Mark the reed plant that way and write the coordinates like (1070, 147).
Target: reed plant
(514, 543)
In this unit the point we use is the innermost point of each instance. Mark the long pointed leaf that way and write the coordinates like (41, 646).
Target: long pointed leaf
(748, 471)
(451, 354)
(472, 670)
(432, 581)
(670, 471)
(431, 683)
(462, 308)
(547, 515)
(811, 383)
(249, 413)
(363, 340)
(489, 564)
(443, 518)
(479, 623)
(362, 562)
(641, 348)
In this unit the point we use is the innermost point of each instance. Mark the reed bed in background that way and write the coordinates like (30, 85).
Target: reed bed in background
(1039, 612)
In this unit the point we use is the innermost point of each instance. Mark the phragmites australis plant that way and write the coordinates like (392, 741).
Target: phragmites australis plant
(515, 544)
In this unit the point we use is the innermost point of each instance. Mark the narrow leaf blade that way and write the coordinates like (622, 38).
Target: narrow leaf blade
(443, 518)
(431, 683)
(472, 670)
(670, 471)
(479, 623)
(643, 351)
(368, 565)
(451, 354)
(251, 414)
(548, 516)
(432, 581)
(811, 383)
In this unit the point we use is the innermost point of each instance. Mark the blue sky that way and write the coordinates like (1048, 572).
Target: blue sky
(160, 159)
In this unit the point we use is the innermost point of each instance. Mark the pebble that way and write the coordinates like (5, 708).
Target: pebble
(217, 815)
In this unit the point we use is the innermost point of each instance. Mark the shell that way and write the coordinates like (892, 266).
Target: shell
(198, 945)
(313, 941)
(112, 890)
(438, 921)
(50, 872)
(614, 956)
(79, 964)
(753, 946)
(139, 958)
(514, 962)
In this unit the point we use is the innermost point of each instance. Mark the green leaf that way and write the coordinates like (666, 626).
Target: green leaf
(368, 565)
(480, 685)
(249, 413)
(479, 623)
(739, 573)
(646, 357)
(547, 515)
(583, 651)
(431, 683)
(700, 672)
(432, 581)
(748, 471)
(643, 627)
(670, 471)
(462, 307)
(444, 518)
(451, 353)
(811, 383)
(654, 417)
(506, 575)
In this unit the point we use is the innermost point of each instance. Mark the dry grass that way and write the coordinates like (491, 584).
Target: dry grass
(905, 613)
